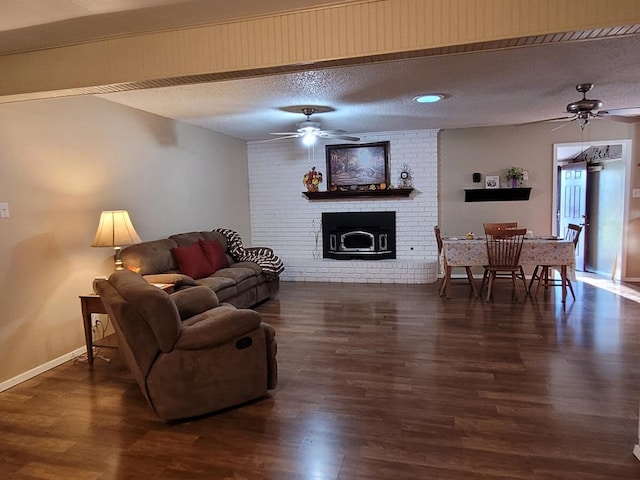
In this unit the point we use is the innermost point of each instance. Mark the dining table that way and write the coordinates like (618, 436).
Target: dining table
(536, 250)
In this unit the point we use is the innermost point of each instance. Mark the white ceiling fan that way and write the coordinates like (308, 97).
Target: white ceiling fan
(310, 131)
(585, 109)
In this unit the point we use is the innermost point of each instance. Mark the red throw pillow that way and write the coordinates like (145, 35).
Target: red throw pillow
(192, 261)
(214, 253)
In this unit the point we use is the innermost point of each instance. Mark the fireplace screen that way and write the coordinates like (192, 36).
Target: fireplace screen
(359, 235)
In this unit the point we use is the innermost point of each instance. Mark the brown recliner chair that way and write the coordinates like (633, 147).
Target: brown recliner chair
(189, 354)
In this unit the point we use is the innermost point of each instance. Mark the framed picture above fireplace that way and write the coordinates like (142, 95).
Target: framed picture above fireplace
(357, 167)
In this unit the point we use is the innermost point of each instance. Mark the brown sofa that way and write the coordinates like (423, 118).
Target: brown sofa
(242, 284)
(189, 354)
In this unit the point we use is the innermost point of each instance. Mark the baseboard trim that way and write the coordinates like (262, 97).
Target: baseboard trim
(34, 372)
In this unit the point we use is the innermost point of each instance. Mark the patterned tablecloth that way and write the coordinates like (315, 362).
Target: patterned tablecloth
(535, 251)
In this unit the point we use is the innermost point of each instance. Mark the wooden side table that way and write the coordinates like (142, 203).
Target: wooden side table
(92, 304)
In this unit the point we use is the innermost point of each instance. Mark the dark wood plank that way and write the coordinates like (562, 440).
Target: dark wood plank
(376, 382)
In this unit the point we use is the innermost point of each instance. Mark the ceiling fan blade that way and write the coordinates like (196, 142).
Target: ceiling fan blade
(625, 115)
(623, 119)
(562, 125)
(562, 119)
(622, 112)
(333, 132)
(557, 119)
(341, 137)
(285, 133)
(276, 139)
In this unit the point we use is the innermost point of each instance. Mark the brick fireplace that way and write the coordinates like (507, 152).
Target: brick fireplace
(285, 220)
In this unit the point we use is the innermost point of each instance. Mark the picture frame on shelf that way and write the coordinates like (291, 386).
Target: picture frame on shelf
(355, 166)
(492, 181)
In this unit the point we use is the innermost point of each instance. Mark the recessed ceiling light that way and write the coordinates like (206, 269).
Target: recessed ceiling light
(429, 98)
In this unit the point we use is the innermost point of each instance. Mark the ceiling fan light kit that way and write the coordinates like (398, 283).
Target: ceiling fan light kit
(308, 138)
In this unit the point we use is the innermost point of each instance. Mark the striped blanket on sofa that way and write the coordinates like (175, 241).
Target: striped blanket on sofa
(270, 263)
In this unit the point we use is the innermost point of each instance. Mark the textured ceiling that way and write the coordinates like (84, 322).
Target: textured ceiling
(500, 87)
(486, 88)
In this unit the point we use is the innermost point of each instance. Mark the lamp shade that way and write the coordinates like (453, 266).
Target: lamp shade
(115, 230)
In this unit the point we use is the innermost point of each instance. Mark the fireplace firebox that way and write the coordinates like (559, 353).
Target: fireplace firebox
(359, 235)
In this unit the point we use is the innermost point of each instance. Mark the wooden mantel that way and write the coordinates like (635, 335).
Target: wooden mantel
(335, 195)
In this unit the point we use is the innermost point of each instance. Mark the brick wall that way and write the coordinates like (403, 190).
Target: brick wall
(283, 219)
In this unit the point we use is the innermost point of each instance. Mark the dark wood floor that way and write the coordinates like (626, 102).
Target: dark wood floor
(376, 382)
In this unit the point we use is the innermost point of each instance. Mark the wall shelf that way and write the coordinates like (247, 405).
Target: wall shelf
(497, 194)
(335, 195)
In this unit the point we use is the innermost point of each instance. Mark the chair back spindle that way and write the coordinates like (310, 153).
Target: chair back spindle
(503, 254)
(504, 247)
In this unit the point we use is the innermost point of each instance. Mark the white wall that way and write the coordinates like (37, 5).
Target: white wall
(62, 161)
(282, 218)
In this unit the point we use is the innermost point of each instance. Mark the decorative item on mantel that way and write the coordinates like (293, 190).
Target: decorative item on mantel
(516, 175)
(312, 179)
(405, 179)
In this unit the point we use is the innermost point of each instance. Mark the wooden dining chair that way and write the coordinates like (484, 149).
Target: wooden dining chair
(541, 272)
(446, 277)
(503, 252)
(499, 226)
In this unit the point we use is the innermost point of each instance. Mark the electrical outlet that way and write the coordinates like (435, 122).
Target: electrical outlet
(95, 319)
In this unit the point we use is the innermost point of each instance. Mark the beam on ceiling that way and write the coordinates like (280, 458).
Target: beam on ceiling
(342, 34)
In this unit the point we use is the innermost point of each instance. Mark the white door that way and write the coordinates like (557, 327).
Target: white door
(605, 197)
(573, 204)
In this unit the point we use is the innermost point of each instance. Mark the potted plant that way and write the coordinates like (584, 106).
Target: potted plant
(515, 175)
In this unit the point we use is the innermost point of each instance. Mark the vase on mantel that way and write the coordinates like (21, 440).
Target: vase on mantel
(312, 180)
(515, 183)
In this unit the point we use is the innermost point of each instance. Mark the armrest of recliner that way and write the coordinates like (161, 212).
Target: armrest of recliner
(217, 329)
